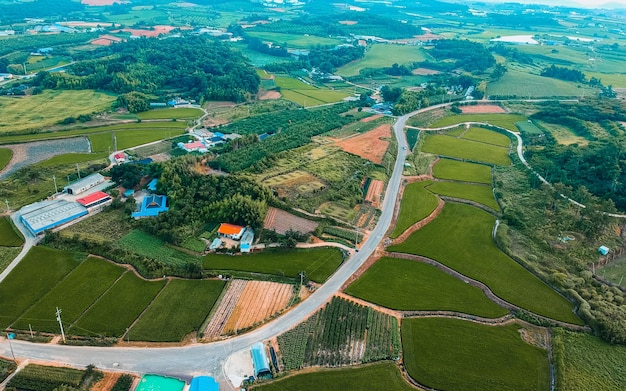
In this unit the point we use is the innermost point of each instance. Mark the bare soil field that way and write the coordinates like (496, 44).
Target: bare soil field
(372, 118)
(268, 95)
(348, 22)
(374, 192)
(258, 301)
(368, 145)
(223, 312)
(482, 109)
(107, 382)
(158, 30)
(424, 72)
(280, 221)
(299, 181)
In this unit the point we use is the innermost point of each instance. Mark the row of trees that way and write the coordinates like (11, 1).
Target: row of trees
(471, 56)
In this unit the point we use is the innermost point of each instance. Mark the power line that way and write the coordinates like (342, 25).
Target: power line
(58, 314)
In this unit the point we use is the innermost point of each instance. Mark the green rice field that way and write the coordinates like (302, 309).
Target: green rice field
(9, 237)
(178, 310)
(526, 85)
(406, 285)
(528, 128)
(379, 376)
(487, 136)
(73, 158)
(483, 194)
(462, 171)
(295, 40)
(460, 238)
(506, 121)
(178, 113)
(417, 203)
(382, 56)
(452, 354)
(317, 263)
(128, 138)
(5, 157)
(153, 247)
(466, 149)
(306, 95)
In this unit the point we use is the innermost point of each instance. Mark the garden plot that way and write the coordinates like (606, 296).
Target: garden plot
(280, 221)
(482, 109)
(370, 145)
(375, 192)
(297, 181)
(222, 313)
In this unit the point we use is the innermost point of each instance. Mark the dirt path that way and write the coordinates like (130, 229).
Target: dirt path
(107, 382)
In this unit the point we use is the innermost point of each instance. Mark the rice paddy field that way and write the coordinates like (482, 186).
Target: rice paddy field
(48, 108)
(306, 95)
(526, 85)
(295, 40)
(317, 263)
(381, 56)
(460, 238)
(406, 285)
(177, 113)
(486, 136)
(5, 156)
(482, 194)
(73, 158)
(462, 171)
(466, 149)
(506, 121)
(417, 203)
(452, 354)
(9, 237)
(133, 135)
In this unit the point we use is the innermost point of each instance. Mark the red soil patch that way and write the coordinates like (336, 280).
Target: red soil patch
(101, 42)
(374, 191)
(280, 221)
(424, 72)
(372, 118)
(107, 382)
(348, 22)
(368, 145)
(158, 30)
(268, 95)
(482, 109)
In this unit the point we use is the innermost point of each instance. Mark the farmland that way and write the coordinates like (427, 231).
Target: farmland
(9, 237)
(41, 378)
(563, 134)
(73, 158)
(482, 194)
(417, 203)
(486, 136)
(178, 113)
(5, 157)
(378, 376)
(474, 254)
(6, 368)
(305, 94)
(318, 264)
(406, 285)
(295, 40)
(506, 121)
(177, 311)
(466, 149)
(462, 171)
(336, 335)
(280, 221)
(371, 145)
(527, 128)
(461, 355)
(7, 255)
(48, 108)
(381, 56)
(153, 247)
(107, 225)
(482, 109)
(525, 85)
(131, 135)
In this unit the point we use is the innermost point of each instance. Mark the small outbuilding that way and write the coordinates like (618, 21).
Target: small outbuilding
(96, 199)
(84, 184)
(151, 206)
(604, 250)
(152, 184)
(259, 360)
(215, 244)
(231, 231)
(204, 383)
(246, 241)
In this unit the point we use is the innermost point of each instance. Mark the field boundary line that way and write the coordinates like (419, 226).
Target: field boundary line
(503, 320)
(418, 225)
(470, 202)
(145, 309)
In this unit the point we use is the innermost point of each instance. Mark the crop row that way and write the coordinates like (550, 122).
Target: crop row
(41, 378)
(343, 233)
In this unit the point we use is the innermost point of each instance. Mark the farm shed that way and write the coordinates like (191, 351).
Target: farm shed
(44, 215)
(120, 157)
(204, 383)
(604, 250)
(193, 147)
(95, 199)
(215, 244)
(84, 184)
(246, 241)
(129, 193)
(230, 231)
(259, 360)
(151, 206)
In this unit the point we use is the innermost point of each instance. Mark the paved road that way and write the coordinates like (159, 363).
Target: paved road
(209, 358)
(29, 241)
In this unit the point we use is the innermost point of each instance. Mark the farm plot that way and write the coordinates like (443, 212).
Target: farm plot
(178, 310)
(74, 294)
(41, 378)
(370, 145)
(178, 113)
(460, 238)
(73, 158)
(9, 237)
(118, 308)
(280, 221)
(341, 333)
(7, 255)
(406, 285)
(295, 40)
(379, 376)
(482, 109)
(506, 121)
(108, 225)
(482, 194)
(298, 181)
(5, 157)
(225, 308)
(317, 263)
(526, 85)
(258, 301)
(487, 136)
(417, 203)
(150, 246)
(462, 171)
(527, 128)
(374, 192)
(563, 134)
(32, 278)
(466, 149)
(381, 56)
(452, 354)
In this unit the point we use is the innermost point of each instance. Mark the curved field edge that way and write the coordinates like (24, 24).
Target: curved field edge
(462, 171)
(461, 238)
(9, 235)
(476, 151)
(417, 204)
(479, 193)
(5, 157)
(406, 285)
(452, 354)
(379, 376)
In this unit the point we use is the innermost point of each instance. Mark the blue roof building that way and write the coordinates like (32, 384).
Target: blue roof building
(152, 185)
(151, 206)
(129, 193)
(204, 383)
(260, 361)
(215, 244)
(218, 134)
(604, 250)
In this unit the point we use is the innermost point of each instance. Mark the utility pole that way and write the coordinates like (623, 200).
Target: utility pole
(10, 336)
(7, 202)
(356, 237)
(301, 277)
(56, 189)
(58, 314)
(77, 170)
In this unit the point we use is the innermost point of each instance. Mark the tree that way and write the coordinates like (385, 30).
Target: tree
(390, 94)
(127, 175)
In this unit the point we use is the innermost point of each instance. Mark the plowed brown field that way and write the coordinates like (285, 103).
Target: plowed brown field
(280, 221)
(482, 109)
(368, 145)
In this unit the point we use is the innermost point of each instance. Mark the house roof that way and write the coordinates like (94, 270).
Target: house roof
(204, 383)
(120, 155)
(229, 229)
(195, 144)
(93, 197)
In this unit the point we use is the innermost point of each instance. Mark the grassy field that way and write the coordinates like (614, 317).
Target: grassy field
(108, 225)
(462, 171)
(73, 158)
(178, 113)
(9, 237)
(460, 237)
(506, 121)
(74, 295)
(528, 128)
(103, 142)
(49, 107)
(417, 203)
(526, 85)
(406, 285)
(317, 263)
(487, 136)
(7, 255)
(615, 271)
(306, 95)
(118, 308)
(380, 376)
(466, 149)
(563, 134)
(452, 354)
(177, 311)
(588, 362)
(5, 157)
(479, 193)
(153, 247)
(381, 56)
(32, 278)
(295, 40)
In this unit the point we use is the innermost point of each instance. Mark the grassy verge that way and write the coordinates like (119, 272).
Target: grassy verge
(9, 237)
(466, 149)
(478, 193)
(417, 203)
(7, 255)
(460, 238)
(462, 171)
(317, 263)
(178, 113)
(178, 310)
(451, 354)
(401, 284)
(5, 157)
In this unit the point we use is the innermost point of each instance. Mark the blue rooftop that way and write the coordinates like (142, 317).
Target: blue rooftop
(259, 360)
(218, 134)
(152, 184)
(129, 192)
(151, 206)
(204, 383)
